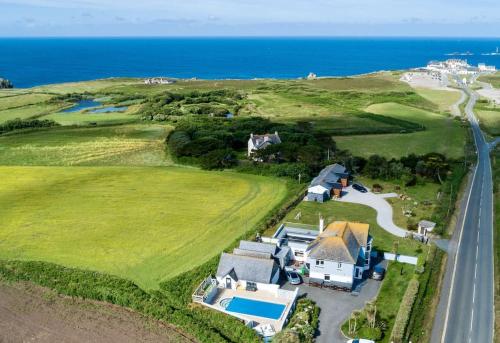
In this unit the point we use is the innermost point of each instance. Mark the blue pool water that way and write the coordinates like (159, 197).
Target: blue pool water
(82, 105)
(255, 308)
(34, 61)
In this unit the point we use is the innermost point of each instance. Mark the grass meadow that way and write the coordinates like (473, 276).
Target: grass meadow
(489, 120)
(442, 134)
(134, 145)
(442, 98)
(144, 224)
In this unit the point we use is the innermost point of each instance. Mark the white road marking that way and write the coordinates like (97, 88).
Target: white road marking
(474, 293)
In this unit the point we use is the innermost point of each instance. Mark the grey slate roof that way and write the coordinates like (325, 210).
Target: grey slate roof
(262, 141)
(251, 253)
(329, 175)
(426, 224)
(260, 247)
(247, 268)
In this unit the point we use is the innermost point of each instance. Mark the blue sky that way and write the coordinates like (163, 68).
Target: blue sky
(250, 18)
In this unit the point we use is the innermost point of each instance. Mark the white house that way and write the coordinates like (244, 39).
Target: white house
(337, 254)
(258, 142)
(340, 254)
(248, 270)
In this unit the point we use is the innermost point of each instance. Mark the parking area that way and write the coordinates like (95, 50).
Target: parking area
(336, 306)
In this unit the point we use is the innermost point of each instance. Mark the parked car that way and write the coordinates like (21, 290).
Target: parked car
(293, 277)
(378, 273)
(359, 188)
(360, 340)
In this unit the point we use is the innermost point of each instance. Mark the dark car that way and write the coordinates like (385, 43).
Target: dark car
(378, 273)
(359, 188)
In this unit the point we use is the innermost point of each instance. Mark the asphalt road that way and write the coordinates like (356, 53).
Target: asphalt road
(467, 299)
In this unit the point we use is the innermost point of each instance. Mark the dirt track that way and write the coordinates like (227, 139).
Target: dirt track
(33, 314)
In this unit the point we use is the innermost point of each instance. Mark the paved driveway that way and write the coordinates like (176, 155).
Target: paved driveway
(377, 202)
(336, 307)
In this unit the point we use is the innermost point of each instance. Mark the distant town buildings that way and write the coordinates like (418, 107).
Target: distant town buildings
(484, 67)
(158, 81)
(452, 66)
(458, 66)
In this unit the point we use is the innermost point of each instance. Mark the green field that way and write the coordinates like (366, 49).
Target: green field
(494, 79)
(135, 145)
(444, 99)
(85, 118)
(14, 101)
(442, 134)
(29, 111)
(489, 120)
(145, 224)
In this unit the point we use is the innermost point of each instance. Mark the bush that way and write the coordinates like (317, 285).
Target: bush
(403, 316)
(18, 124)
(302, 325)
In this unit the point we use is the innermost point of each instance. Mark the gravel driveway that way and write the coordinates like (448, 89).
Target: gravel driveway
(377, 202)
(336, 307)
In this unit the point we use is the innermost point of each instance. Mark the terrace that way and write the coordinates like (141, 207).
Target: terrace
(266, 311)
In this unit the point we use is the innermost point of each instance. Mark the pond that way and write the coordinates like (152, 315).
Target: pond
(82, 105)
(94, 105)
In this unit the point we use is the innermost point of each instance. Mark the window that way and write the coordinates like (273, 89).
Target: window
(327, 277)
(320, 263)
(339, 265)
(299, 253)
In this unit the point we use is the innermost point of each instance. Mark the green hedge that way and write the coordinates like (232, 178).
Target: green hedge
(403, 316)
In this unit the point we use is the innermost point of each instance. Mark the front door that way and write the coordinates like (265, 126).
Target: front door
(228, 282)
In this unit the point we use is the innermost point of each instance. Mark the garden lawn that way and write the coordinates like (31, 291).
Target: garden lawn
(136, 145)
(422, 199)
(334, 210)
(144, 224)
(443, 135)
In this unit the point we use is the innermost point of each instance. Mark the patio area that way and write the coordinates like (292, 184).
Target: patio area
(279, 300)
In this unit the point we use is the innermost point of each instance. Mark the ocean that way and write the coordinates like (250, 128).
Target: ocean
(29, 62)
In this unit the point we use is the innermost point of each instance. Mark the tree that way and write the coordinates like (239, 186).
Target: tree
(4, 83)
(219, 159)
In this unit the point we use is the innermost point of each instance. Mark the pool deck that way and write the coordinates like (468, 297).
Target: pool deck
(283, 297)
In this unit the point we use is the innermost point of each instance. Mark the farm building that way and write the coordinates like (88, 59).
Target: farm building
(328, 184)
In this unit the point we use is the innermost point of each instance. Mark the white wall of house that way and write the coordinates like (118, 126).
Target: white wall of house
(243, 283)
(340, 272)
(298, 251)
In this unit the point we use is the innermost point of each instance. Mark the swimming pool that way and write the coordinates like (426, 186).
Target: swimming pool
(255, 308)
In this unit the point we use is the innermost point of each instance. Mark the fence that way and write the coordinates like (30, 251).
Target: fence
(401, 258)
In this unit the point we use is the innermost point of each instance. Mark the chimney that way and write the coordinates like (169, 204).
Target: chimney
(276, 133)
(321, 224)
(251, 135)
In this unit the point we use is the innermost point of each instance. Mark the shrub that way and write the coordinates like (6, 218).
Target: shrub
(398, 331)
(18, 124)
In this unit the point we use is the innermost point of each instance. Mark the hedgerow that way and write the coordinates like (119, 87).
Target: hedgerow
(398, 331)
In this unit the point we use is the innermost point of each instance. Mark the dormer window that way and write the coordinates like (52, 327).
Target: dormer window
(320, 263)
